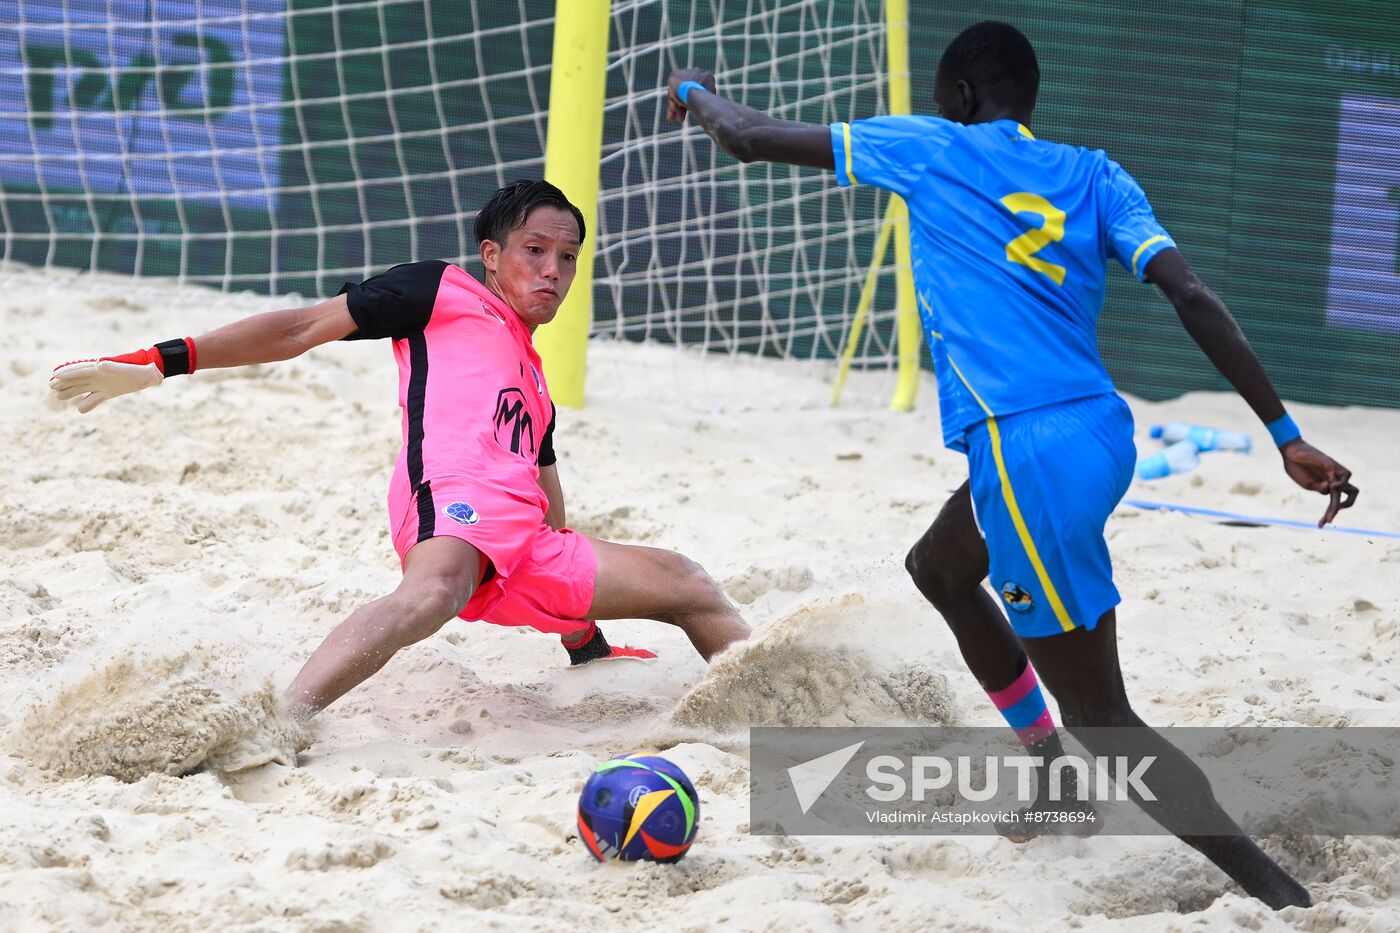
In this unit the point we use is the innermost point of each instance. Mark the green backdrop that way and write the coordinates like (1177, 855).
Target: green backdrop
(1229, 112)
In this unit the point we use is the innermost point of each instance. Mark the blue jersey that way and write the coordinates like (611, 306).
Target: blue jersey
(1011, 237)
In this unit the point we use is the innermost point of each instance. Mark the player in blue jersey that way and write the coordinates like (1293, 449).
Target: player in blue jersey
(1011, 241)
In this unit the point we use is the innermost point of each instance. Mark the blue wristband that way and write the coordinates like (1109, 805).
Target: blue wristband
(1283, 430)
(683, 92)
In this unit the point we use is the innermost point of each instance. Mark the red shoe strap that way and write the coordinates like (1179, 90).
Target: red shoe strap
(584, 637)
(626, 651)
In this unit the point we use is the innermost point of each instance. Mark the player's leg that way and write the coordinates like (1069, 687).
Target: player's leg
(1042, 485)
(1058, 473)
(439, 576)
(650, 583)
(1081, 670)
(948, 565)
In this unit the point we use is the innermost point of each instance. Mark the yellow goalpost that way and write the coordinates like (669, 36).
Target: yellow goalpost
(572, 153)
(896, 224)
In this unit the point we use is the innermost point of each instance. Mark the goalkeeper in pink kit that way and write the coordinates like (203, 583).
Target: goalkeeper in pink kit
(475, 505)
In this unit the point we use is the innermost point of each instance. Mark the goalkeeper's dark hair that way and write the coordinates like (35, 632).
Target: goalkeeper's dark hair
(997, 60)
(508, 208)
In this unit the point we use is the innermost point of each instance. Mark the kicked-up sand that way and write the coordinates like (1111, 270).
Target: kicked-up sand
(173, 557)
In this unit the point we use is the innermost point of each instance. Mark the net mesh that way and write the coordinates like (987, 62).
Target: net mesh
(291, 146)
(697, 248)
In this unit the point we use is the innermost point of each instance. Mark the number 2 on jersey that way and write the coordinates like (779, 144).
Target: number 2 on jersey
(1022, 250)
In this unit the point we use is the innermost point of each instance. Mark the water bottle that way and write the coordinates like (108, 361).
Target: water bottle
(1178, 458)
(1204, 438)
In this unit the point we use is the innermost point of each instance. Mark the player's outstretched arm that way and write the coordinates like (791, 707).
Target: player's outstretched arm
(261, 338)
(275, 335)
(1215, 330)
(747, 134)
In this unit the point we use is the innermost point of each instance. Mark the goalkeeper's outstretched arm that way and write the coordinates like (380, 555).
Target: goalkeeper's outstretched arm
(275, 335)
(261, 338)
(747, 134)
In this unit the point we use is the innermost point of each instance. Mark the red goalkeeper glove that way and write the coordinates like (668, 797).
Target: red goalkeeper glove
(92, 382)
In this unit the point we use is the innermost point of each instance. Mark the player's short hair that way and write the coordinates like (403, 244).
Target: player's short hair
(509, 207)
(995, 58)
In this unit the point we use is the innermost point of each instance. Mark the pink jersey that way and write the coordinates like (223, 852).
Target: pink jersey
(477, 417)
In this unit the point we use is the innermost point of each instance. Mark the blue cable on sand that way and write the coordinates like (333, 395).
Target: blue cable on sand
(1252, 519)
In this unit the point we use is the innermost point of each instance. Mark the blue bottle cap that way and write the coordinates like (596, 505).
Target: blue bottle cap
(1154, 467)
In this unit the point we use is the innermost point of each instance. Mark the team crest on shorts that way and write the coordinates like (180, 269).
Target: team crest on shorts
(1016, 597)
(461, 513)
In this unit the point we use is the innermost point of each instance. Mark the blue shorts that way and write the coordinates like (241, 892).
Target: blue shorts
(1043, 484)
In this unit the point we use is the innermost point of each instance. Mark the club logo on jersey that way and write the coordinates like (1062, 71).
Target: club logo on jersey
(490, 311)
(515, 426)
(1016, 597)
(461, 513)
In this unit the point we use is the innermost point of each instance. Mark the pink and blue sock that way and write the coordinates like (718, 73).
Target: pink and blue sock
(1023, 705)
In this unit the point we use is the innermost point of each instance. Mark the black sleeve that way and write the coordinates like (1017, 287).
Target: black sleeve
(547, 457)
(396, 303)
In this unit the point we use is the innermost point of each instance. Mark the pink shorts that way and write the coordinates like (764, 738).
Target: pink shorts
(542, 578)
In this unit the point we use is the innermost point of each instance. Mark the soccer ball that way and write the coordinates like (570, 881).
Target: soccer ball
(638, 807)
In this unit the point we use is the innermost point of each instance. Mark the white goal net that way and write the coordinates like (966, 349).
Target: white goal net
(287, 146)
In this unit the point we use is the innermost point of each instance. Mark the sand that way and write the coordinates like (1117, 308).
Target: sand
(173, 557)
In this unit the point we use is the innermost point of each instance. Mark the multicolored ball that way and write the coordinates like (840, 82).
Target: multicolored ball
(641, 807)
